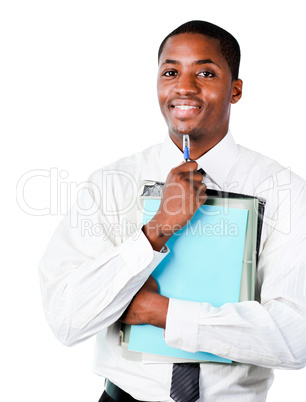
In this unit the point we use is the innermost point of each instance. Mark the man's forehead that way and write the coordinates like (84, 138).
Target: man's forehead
(185, 46)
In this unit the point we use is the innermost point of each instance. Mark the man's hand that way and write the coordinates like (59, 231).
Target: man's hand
(147, 306)
(183, 194)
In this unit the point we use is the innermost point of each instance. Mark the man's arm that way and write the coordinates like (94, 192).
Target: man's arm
(270, 333)
(89, 274)
(183, 194)
(147, 306)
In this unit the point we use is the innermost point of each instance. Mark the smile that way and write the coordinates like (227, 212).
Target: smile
(185, 107)
(185, 111)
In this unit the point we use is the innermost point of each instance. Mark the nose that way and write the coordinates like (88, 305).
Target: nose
(186, 84)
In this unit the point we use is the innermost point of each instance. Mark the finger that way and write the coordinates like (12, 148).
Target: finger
(152, 284)
(192, 176)
(202, 188)
(187, 166)
(201, 199)
(201, 194)
(198, 177)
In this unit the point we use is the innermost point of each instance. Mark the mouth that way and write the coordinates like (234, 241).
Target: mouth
(185, 107)
(183, 111)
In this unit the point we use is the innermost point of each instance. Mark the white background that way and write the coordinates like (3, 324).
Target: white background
(78, 91)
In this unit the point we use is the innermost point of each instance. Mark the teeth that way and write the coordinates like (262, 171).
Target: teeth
(185, 107)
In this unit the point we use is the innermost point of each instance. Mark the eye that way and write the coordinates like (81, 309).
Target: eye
(206, 74)
(170, 73)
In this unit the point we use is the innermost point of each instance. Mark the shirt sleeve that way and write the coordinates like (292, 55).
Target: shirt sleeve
(93, 266)
(269, 333)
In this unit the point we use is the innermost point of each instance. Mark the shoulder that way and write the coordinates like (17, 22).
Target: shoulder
(265, 168)
(125, 175)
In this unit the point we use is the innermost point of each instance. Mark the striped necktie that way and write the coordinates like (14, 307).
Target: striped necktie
(185, 382)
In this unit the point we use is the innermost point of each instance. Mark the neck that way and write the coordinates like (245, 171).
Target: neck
(199, 145)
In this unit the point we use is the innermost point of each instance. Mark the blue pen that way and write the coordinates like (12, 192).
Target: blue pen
(186, 146)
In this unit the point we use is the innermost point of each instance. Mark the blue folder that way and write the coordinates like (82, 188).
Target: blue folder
(204, 265)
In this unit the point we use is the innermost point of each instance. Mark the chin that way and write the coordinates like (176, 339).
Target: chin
(184, 130)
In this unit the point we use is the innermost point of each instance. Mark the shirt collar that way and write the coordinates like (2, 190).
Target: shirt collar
(217, 162)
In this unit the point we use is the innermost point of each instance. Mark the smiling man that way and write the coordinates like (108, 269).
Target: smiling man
(92, 281)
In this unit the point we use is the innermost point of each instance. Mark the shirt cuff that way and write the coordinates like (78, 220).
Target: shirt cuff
(182, 325)
(139, 254)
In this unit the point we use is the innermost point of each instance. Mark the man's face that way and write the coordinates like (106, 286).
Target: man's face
(195, 88)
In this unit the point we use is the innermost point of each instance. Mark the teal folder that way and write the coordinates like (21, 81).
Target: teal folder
(204, 265)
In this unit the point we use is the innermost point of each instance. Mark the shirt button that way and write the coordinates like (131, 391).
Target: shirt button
(180, 342)
(226, 351)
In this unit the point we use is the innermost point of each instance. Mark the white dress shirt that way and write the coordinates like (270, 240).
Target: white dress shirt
(99, 258)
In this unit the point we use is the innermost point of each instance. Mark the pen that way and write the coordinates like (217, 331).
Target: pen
(186, 146)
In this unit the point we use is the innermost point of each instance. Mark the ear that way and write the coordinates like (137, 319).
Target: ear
(236, 91)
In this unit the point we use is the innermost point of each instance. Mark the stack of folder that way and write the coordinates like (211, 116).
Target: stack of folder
(213, 259)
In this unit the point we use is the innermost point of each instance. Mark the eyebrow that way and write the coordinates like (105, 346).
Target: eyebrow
(207, 61)
(198, 62)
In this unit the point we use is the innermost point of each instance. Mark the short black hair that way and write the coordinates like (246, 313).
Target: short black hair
(229, 46)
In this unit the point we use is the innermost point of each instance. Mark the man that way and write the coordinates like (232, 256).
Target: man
(95, 276)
